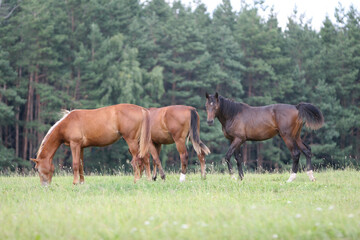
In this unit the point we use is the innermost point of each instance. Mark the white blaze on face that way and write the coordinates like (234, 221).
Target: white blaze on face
(292, 177)
(311, 175)
(182, 177)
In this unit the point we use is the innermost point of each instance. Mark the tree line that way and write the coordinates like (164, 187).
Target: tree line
(87, 54)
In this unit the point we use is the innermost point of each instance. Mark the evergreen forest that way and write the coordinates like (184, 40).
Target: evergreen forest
(71, 54)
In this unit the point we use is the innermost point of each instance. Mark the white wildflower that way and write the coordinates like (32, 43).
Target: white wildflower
(185, 226)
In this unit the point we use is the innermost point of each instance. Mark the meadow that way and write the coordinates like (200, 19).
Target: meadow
(262, 206)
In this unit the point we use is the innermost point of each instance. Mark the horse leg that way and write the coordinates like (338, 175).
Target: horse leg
(134, 150)
(306, 150)
(81, 169)
(146, 162)
(201, 158)
(75, 151)
(236, 143)
(154, 176)
(239, 163)
(184, 157)
(295, 153)
(155, 152)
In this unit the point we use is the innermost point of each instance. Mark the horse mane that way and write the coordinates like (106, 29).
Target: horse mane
(64, 114)
(230, 108)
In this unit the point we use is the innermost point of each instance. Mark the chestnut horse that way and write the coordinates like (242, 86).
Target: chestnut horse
(241, 122)
(97, 127)
(175, 124)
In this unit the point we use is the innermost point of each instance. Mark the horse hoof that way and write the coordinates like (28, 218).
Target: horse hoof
(163, 177)
(311, 175)
(182, 177)
(292, 177)
(154, 178)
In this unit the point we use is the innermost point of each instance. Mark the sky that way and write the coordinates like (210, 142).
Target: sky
(316, 10)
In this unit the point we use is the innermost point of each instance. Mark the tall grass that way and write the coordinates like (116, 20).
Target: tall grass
(262, 206)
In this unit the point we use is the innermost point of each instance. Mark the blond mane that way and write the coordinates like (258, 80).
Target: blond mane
(64, 114)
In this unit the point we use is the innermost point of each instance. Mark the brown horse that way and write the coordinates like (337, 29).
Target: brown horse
(97, 127)
(241, 122)
(174, 124)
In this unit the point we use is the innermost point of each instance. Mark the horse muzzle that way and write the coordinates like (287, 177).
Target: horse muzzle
(210, 122)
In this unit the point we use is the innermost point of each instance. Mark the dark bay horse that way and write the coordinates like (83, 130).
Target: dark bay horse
(241, 122)
(174, 124)
(97, 127)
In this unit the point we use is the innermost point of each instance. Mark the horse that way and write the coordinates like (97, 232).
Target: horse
(175, 124)
(241, 122)
(96, 127)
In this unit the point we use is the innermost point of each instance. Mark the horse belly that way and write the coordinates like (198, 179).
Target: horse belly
(101, 140)
(162, 138)
(261, 134)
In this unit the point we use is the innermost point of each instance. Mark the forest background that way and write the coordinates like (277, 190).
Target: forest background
(87, 54)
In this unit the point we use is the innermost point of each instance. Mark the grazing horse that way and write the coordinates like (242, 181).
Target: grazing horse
(241, 122)
(97, 127)
(174, 124)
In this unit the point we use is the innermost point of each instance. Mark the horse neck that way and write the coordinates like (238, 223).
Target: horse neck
(220, 115)
(228, 110)
(51, 144)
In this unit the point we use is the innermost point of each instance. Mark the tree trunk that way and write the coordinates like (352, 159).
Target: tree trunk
(17, 117)
(28, 114)
(38, 112)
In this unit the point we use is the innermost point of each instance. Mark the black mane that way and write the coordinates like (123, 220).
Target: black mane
(229, 108)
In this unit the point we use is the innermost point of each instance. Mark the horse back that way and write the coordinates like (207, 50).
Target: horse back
(102, 126)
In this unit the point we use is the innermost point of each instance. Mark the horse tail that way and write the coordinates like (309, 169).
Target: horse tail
(311, 115)
(194, 134)
(145, 134)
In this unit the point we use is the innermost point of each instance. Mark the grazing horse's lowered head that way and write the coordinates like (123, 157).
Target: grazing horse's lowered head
(44, 157)
(45, 168)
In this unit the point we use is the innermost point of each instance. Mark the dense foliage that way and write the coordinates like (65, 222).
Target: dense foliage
(87, 54)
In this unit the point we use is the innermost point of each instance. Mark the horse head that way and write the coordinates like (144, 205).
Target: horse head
(212, 107)
(46, 168)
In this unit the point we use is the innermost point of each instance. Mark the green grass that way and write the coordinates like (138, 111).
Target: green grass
(262, 206)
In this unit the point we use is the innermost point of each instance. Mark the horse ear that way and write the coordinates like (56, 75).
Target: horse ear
(34, 160)
(206, 95)
(216, 95)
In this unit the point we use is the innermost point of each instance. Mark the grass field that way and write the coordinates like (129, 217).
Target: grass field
(262, 206)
